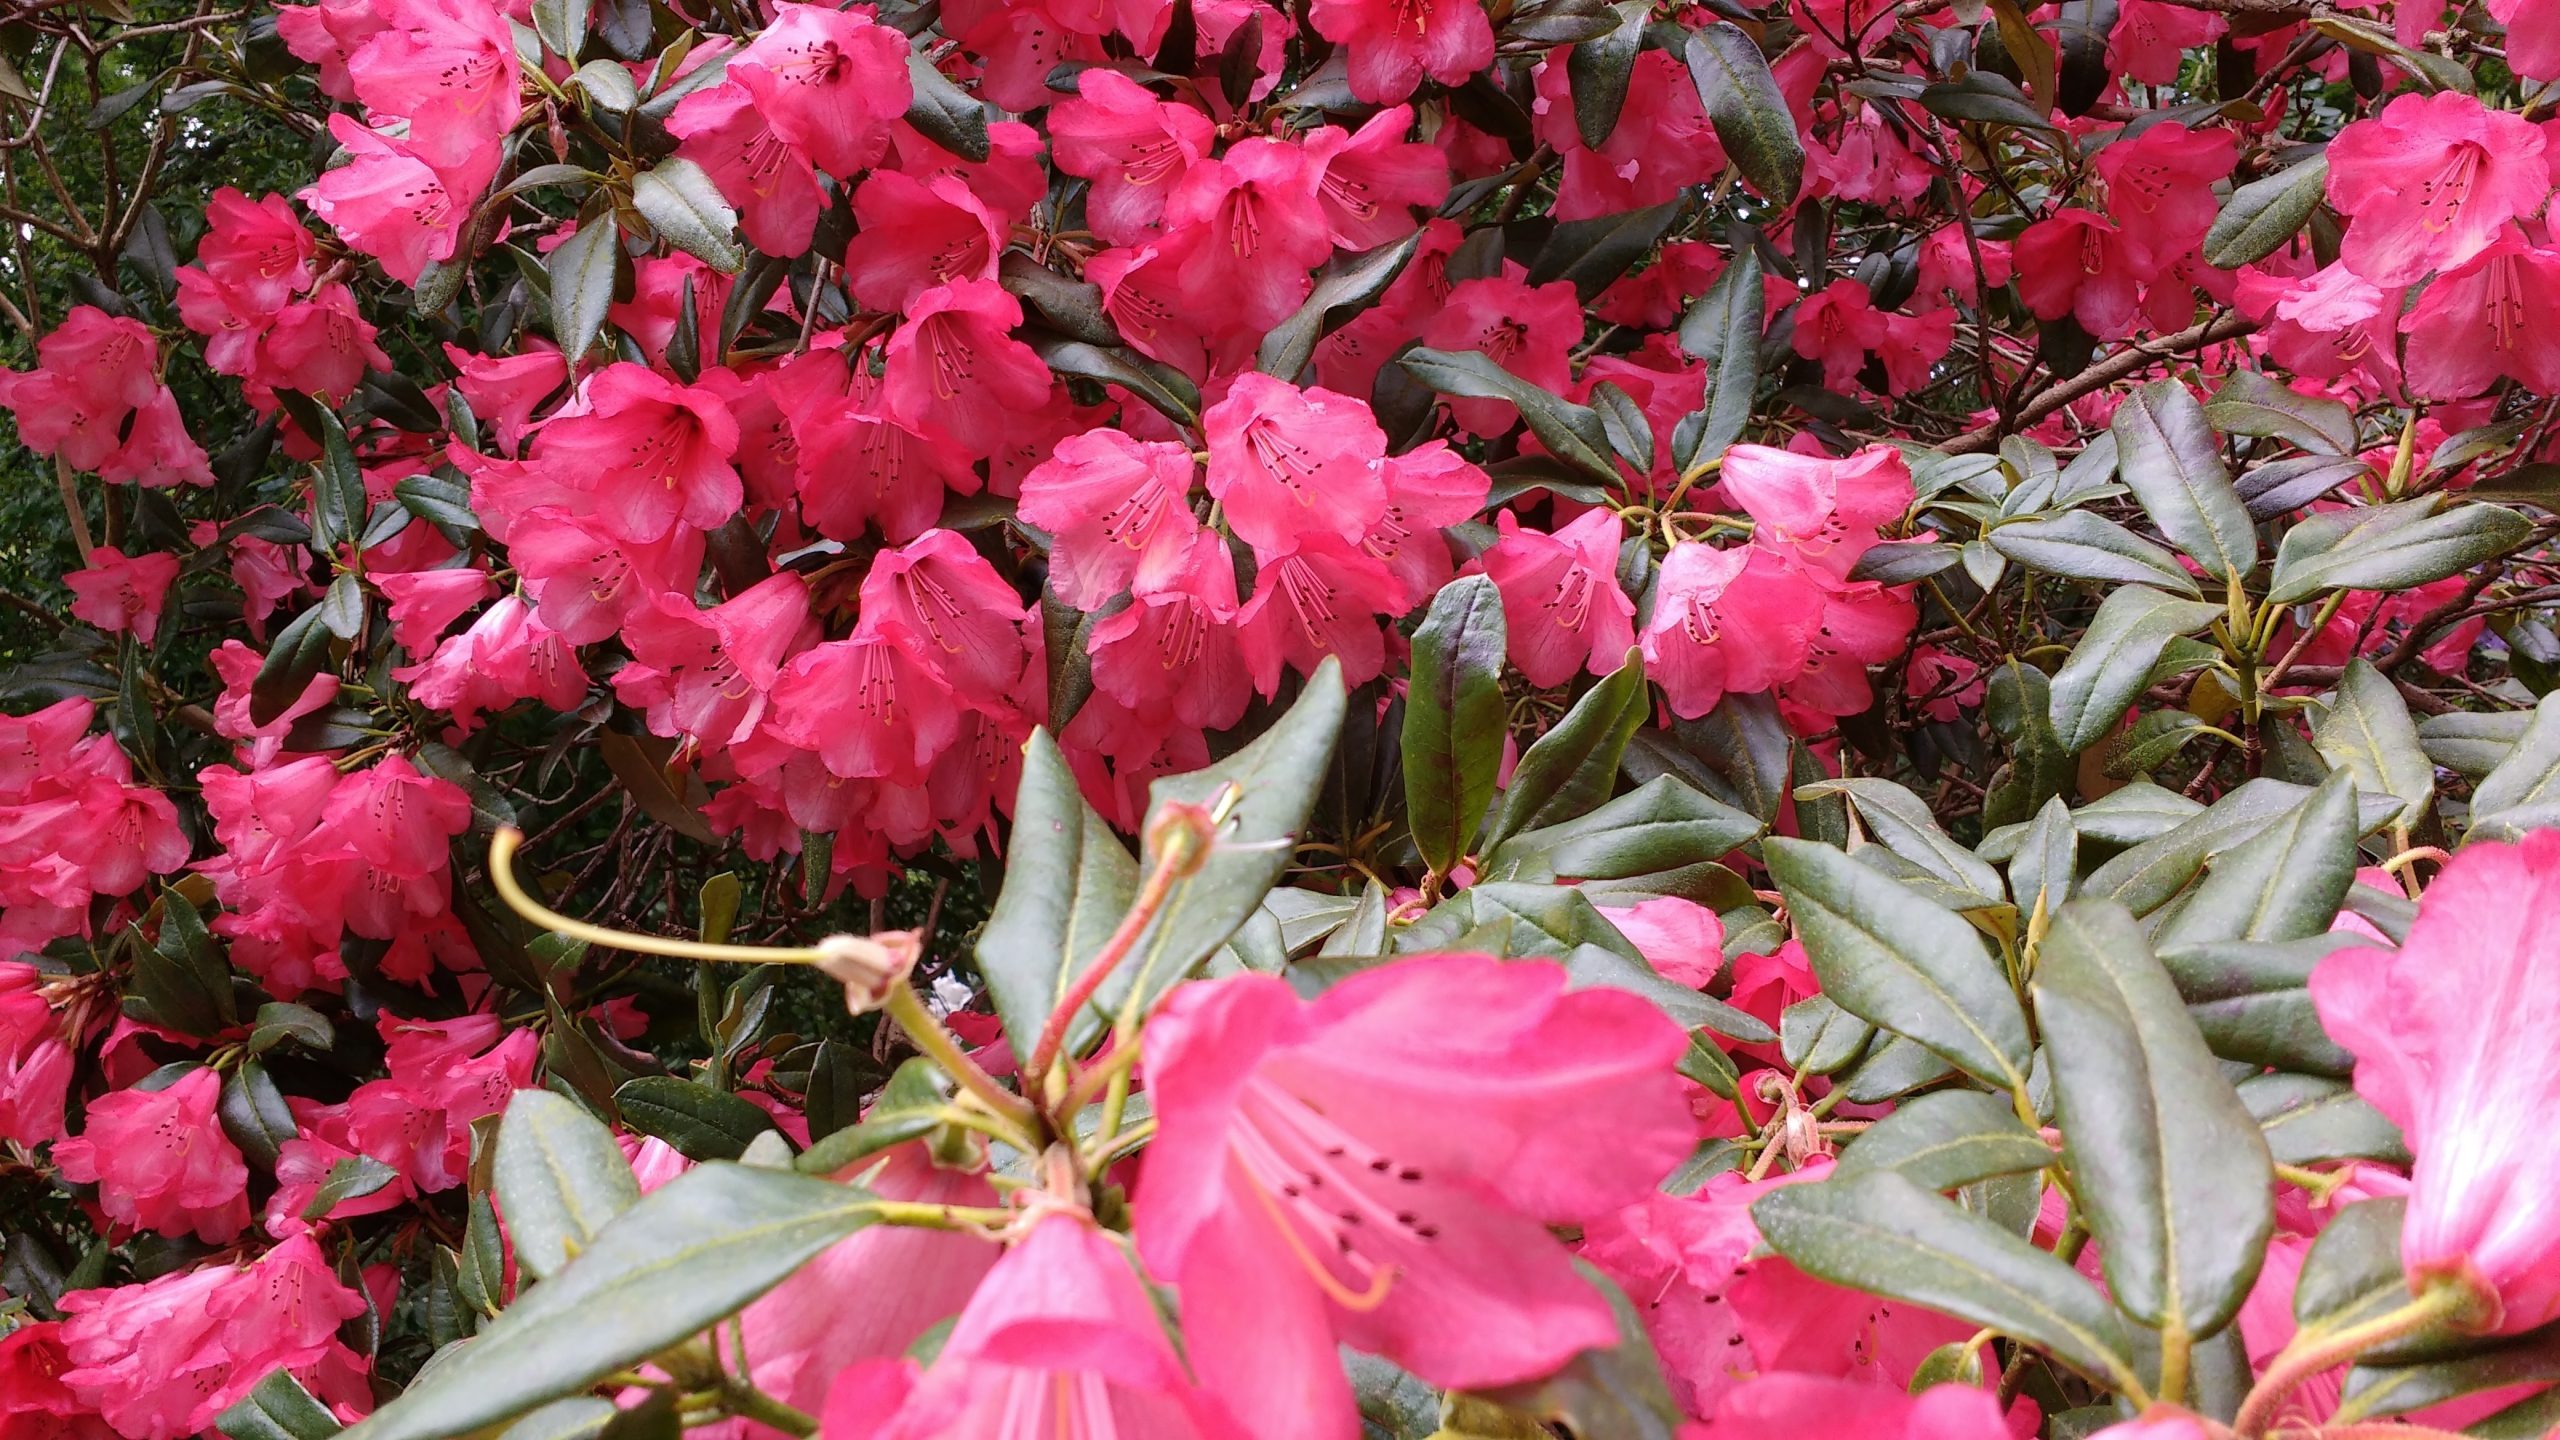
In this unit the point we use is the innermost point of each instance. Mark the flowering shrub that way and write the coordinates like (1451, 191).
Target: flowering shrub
(1835, 717)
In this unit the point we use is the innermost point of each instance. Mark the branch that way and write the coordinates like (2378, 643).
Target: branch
(2128, 361)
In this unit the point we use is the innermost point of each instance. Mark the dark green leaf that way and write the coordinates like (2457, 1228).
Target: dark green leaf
(2264, 214)
(2368, 734)
(2082, 545)
(909, 1107)
(1570, 432)
(1351, 287)
(2284, 883)
(2523, 792)
(253, 1113)
(1574, 766)
(2167, 455)
(2170, 1169)
(278, 1021)
(1892, 957)
(1594, 252)
(1162, 386)
(352, 1178)
(1947, 1139)
(1454, 719)
(946, 114)
(581, 273)
(2249, 403)
(1985, 97)
(680, 201)
(1600, 68)
(1723, 329)
(2400, 548)
(2113, 661)
(700, 1122)
(1067, 882)
(1749, 113)
(277, 1408)
(2308, 1119)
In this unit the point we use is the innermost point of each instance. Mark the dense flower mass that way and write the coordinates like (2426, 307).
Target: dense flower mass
(1303, 719)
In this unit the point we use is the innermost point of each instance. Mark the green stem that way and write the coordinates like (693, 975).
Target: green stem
(906, 1009)
(2313, 1354)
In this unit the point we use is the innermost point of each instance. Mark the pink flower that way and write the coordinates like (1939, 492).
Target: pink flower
(449, 66)
(2160, 186)
(1119, 510)
(1823, 511)
(1060, 1341)
(1395, 43)
(1527, 330)
(1913, 346)
(258, 250)
(2497, 316)
(652, 452)
(586, 583)
(507, 655)
(772, 184)
(34, 1403)
(916, 234)
(1560, 597)
(161, 1161)
(319, 346)
(2533, 36)
(1714, 632)
(1355, 1169)
(868, 707)
(1172, 656)
(2430, 181)
(955, 372)
(425, 603)
(941, 602)
(704, 675)
(1249, 229)
(35, 1066)
(1323, 597)
(1680, 938)
(2075, 263)
(830, 82)
(93, 373)
(1370, 179)
(1285, 461)
(394, 202)
(2446, 1031)
(120, 592)
(1132, 146)
(1839, 326)
(2152, 37)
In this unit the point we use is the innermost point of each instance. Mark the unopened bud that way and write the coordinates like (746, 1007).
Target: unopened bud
(1182, 835)
(868, 965)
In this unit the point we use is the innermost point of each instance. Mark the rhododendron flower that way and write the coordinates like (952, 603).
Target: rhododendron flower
(1529, 330)
(120, 592)
(1822, 510)
(1681, 939)
(2076, 263)
(1249, 228)
(1285, 462)
(586, 583)
(449, 66)
(1321, 598)
(394, 202)
(703, 675)
(1060, 1341)
(2533, 36)
(1395, 43)
(955, 370)
(34, 1403)
(1119, 510)
(2498, 316)
(425, 603)
(1369, 180)
(651, 453)
(2160, 186)
(2151, 36)
(1172, 655)
(830, 82)
(916, 234)
(1733, 621)
(2444, 1031)
(161, 1161)
(35, 1064)
(772, 184)
(1560, 598)
(1839, 326)
(95, 402)
(2431, 181)
(257, 249)
(1356, 1168)
(1132, 146)
(945, 605)
(1809, 1407)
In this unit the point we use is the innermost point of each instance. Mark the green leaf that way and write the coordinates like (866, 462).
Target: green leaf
(1600, 69)
(2160, 864)
(580, 1417)
(2308, 1119)
(560, 1177)
(562, 24)
(2397, 547)
(1660, 827)
(1888, 955)
(1161, 386)
(337, 487)
(2472, 742)
(278, 1021)
(2368, 734)
(1592, 253)
(2169, 1166)
(1744, 744)
(181, 977)
(1351, 287)
(581, 272)
(1454, 719)
(1948, 1139)
(2083, 545)
(1617, 1391)
(1723, 329)
(1880, 1232)
(1984, 97)
(2047, 868)
(1276, 779)
(638, 765)
(690, 1253)
(2352, 1272)
(2532, 1358)
(946, 114)
(2523, 792)
(1574, 766)
(2112, 664)
(2284, 883)
(2248, 403)
(700, 1122)
(1902, 823)
(277, 1408)
(1068, 880)
(1570, 432)
(679, 200)
(1750, 115)
(1819, 1038)
(352, 1178)
(2168, 457)
(910, 1106)
(2264, 214)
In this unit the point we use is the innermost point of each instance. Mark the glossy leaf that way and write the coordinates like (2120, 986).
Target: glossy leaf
(2167, 455)
(1743, 102)
(1068, 880)
(1454, 718)
(2112, 663)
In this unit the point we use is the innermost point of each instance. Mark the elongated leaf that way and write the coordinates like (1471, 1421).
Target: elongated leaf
(2249, 403)
(1453, 719)
(1574, 765)
(581, 272)
(1594, 252)
(2154, 869)
(1880, 1232)
(2046, 870)
(2285, 883)
(1276, 779)
(2082, 545)
(2113, 661)
(1901, 822)
(703, 1123)
(678, 198)
(277, 1408)
(2167, 455)
(1750, 115)
(1723, 329)
(2523, 792)
(2265, 213)
(2308, 1119)
(1067, 882)
(560, 1178)
(1947, 1139)
(1600, 69)
(2368, 733)
(2170, 1167)
(2400, 547)
(1570, 432)
(1167, 389)
(1336, 298)
(1819, 1038)
(634, 762)
(946, 114)
(692, 1252)
(1891, 957)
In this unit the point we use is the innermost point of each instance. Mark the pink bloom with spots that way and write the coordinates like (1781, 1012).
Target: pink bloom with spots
(2431, 181)
(120, 593)
(160, 1160)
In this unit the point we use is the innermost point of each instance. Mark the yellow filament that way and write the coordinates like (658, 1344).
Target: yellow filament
(1358, 1301)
